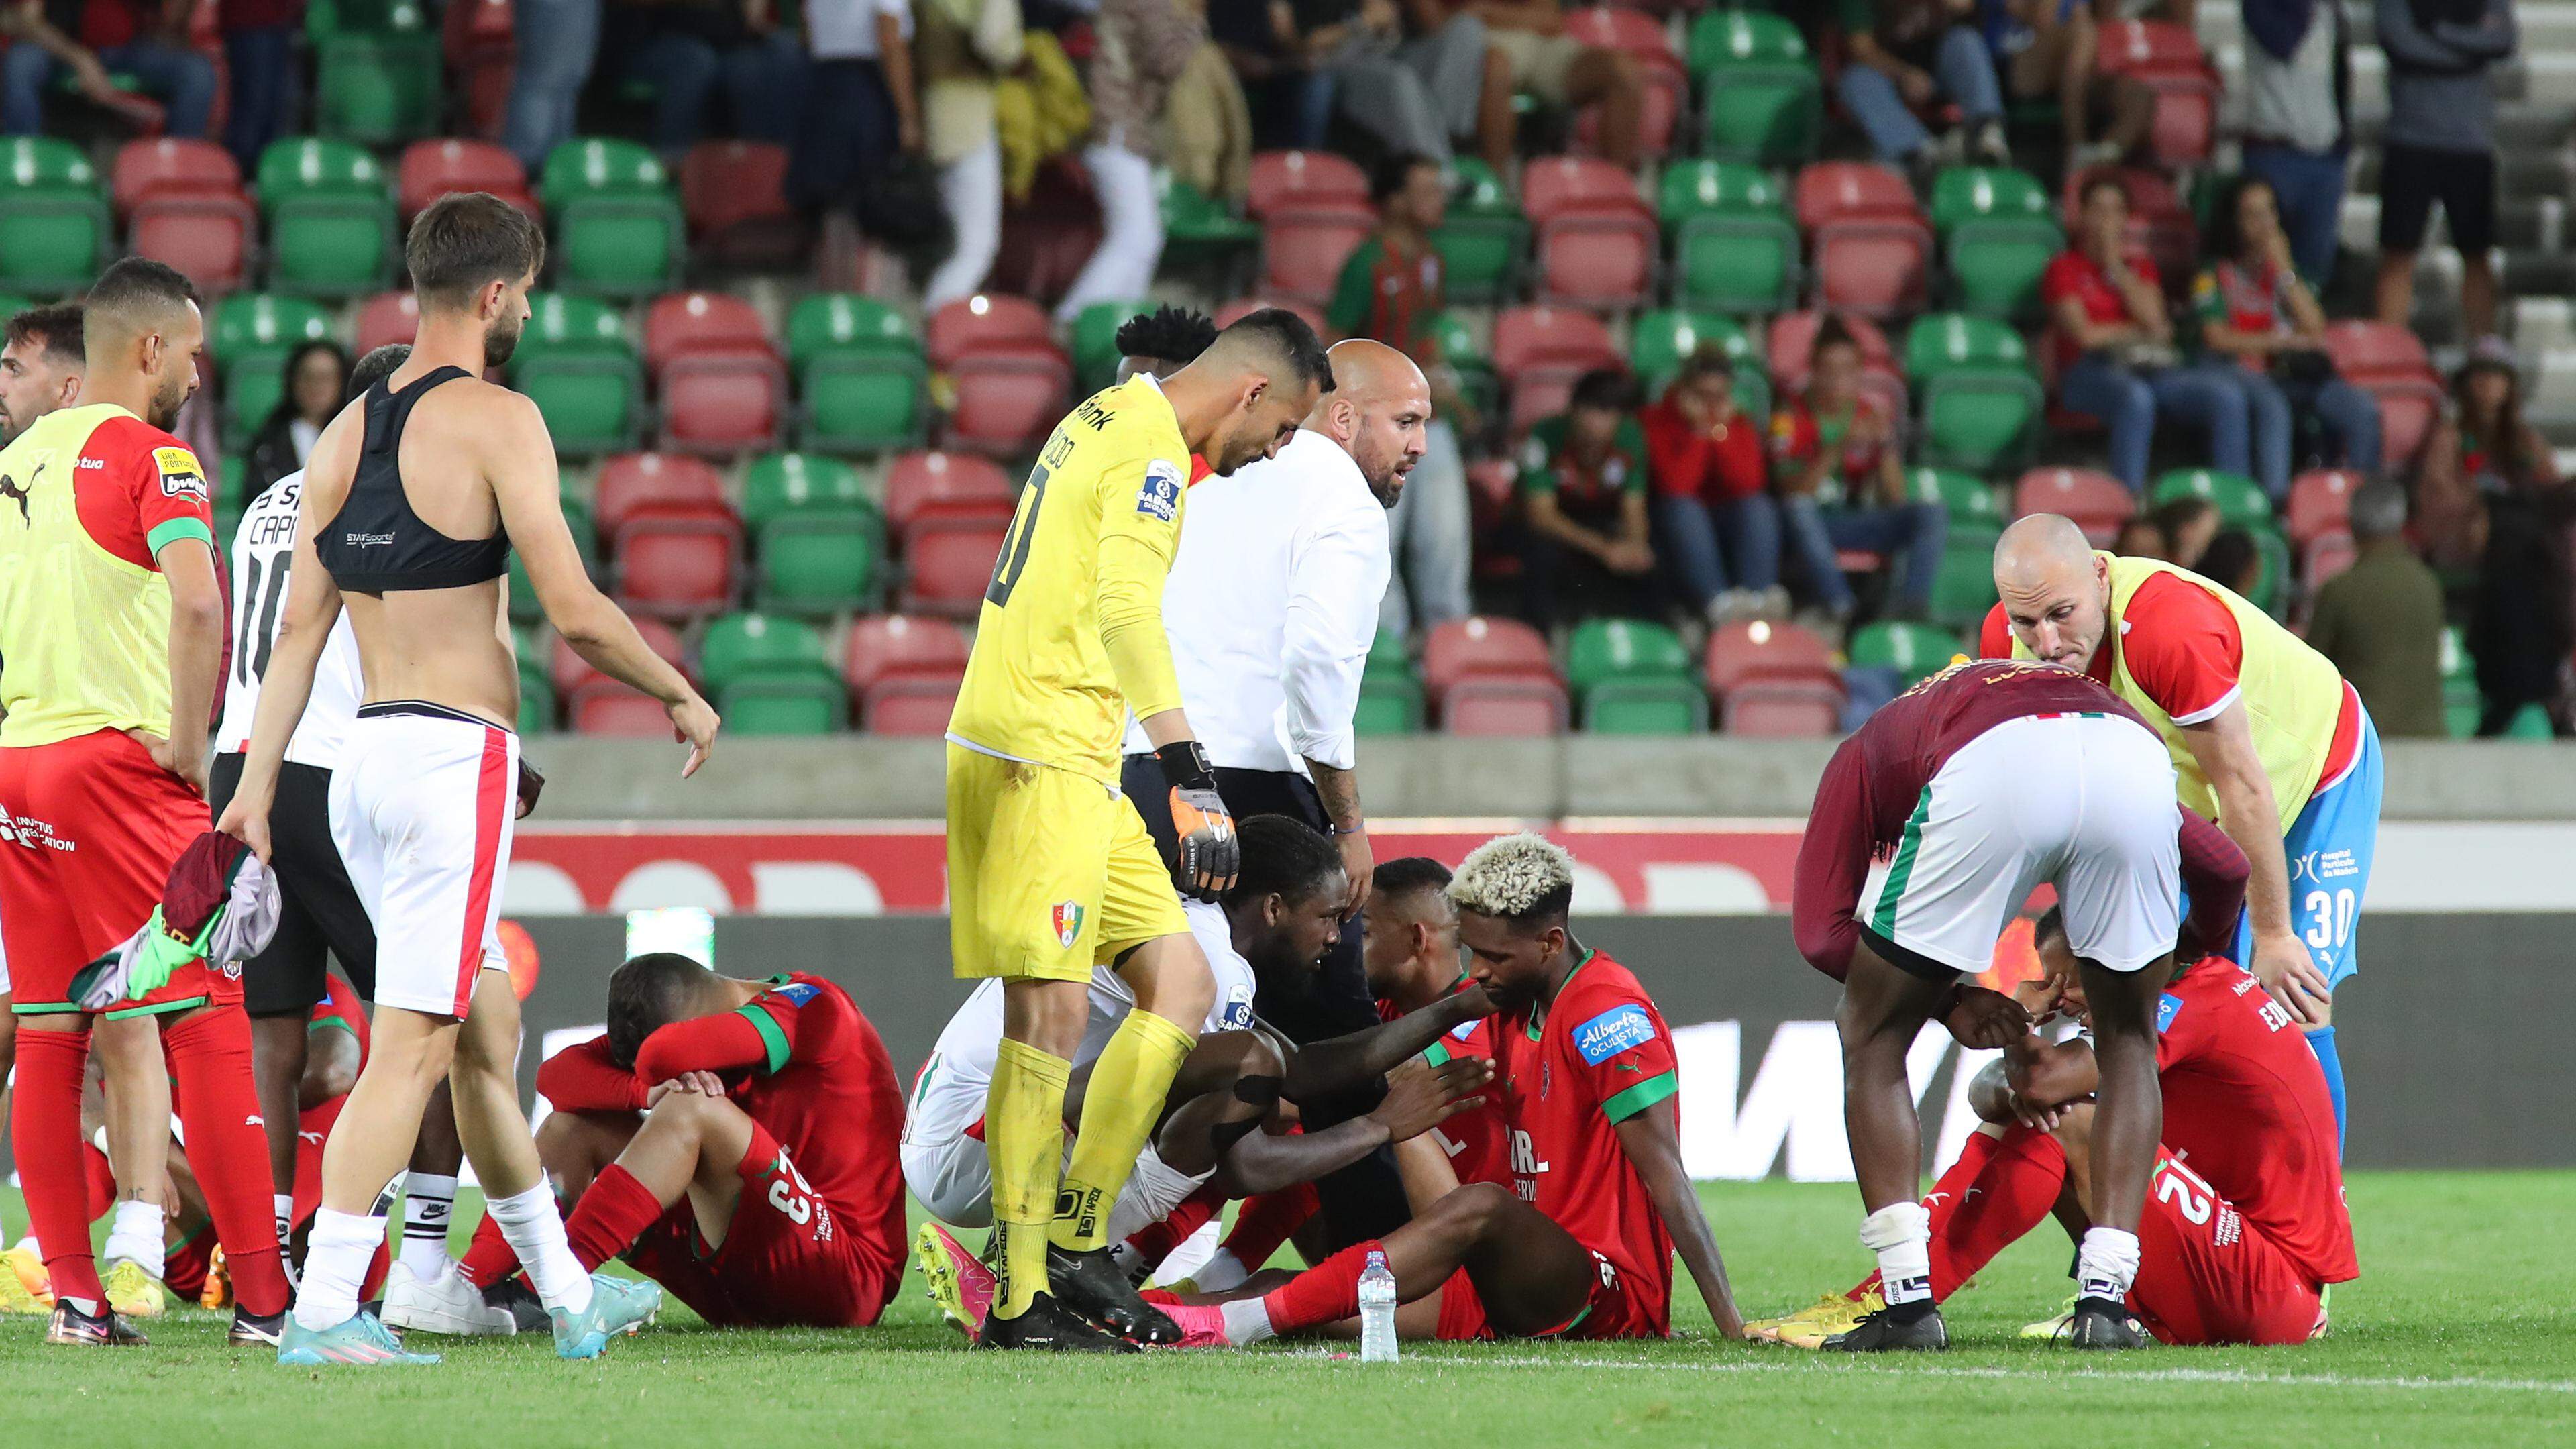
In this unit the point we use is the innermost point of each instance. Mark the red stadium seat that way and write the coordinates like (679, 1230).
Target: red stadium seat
(1873, 266)
(951, 485)
(948, 562)
(167, 167)
(1553, 184)
(481, 50)
(207, 236)
(1482, 645)
(1758, 649)
(1645, 41)
(892, 646)
(2167, 59)
(386, 318)
(1791, 343)
(1543, 350)
(1784, 709)
(1514, 707)
(984, 320)
(698, 323)
(631, 481)
(1831, 191)
(1242, 307)
(1303, 248)
(2408, 409)
(915, 705)
(2095, 501)
(1008, 398)
(734, 194)
(678, 562)
(609, 708)
(2370, 352)
(2328, 555)
(570, 672)
(2320, 503)
(431, 169)
(723, 404)
(1595, 237)
(1288, 180)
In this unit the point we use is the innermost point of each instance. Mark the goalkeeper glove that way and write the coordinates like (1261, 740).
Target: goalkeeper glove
(1209, 853)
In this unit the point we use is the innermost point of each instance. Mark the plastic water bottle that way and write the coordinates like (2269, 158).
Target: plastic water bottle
(1377, 1311)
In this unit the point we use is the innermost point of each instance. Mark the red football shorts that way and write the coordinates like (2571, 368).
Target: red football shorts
(1612, 1311)
(786, 1259)
(2206, 1275)
(93, 827)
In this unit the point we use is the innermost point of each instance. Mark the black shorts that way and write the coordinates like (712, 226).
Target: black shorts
(2411, 179)
(323, 916)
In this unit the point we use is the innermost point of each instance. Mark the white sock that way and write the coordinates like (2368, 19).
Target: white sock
(1901, 1236)
(1221, 1271)
(136, 1232)
(534, 1226)
(335, 1264)
(2107, 1263)
(429, 1202)
(1246, 1322)
(282, 1204)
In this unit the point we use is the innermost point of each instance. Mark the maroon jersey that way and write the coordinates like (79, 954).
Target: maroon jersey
(1878, 776)
(1473, 1139)
(1571, 1070)
(2246, 1107)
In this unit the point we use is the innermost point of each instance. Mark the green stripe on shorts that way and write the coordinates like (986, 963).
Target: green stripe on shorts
(1883, 919)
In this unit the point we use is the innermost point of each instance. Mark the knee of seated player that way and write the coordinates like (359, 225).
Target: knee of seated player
(330, 1069)
(1472, 1213)
(712, 1128)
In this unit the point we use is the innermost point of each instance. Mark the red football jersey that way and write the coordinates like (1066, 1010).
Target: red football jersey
(1570, 1070)
(2246, 1107)
(1473, 1139)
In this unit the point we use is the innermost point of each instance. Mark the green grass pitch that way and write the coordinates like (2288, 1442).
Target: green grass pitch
(2459, 1332)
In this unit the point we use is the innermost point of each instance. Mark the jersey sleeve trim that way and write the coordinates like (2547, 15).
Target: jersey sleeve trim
(329, 1023)
(1641, 1096)
(2216, 708)
(772, 1040)
(172, 530)
(1437, 1054)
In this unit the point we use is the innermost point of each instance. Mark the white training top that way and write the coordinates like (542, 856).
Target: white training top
(1271, 608)
(263, 554)
(949, 1096)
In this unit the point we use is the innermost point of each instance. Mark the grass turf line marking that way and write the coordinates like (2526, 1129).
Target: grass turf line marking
(2163, 1375)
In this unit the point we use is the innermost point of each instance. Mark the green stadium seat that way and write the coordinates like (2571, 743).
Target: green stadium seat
(1095, 342)
(524, 608)
(1387, 657)
(1454, 343)
(1914, 651)
(2272, 585)
(1964, 588)
(816, 563)
(251, 336)
(1646, 707)
(778, 485)
(536, 697)
(1390, 704)
(11, 304)
(1483, 237)
(1602, 650)
(1761, 97)
(381, 85)
(2241, 501)
(1734, 247)
(1661, 341)
(330, 214)
(1998, 232)
(575, 364)
(1964, 194)
(1201, 231)
(618, 227)
(1980, 406)
(1970, 500)
(772, 675)
(54, 226)
(859, 369)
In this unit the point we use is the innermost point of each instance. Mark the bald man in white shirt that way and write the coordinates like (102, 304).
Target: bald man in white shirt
(1271, 609)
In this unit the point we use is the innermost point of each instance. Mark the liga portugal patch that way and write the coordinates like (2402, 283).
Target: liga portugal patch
(1067, 919)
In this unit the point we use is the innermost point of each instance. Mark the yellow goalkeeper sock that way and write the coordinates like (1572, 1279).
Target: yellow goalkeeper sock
(1125, 1099)
(1024, 1142)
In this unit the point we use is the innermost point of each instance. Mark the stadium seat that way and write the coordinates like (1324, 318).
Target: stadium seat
(1979, 405)
(1914, 651)
(772, 676)
(1389, 705)
(859, 368)
(2160, 222)
(250, 337)
(2166, 59)
(387, 317)
(1480, 645)
(2408, 409)
(1009, 397)
(1996, 238)
(537, 703)
(380, 86)
(1482, 237)
(1200, 232)
(1095, 341)
(1790, 344)
(676, 561)
(820, 563)
(54, 229)
(574, 363)
(2327, 555)
(1761, 99)
(2241, 500)
(165, 166)
(993, 319)
(653, 480)
(917, 707)
(1661, 341)
(1518, 706)
(618, 230)
(2096, 501)
(1785, 709)
(1964, 587)
(2368, 352)
(2320, 503)
(948, 563)
(1387, 657)
(1448, 340)
(1643, 39)
(482, 47)
(723, 390)
(781, 485)
(923, 486)
(1759, 650)
(1303, 248)
(330, 213)
(524, 607)
(734, 196)
(207, 238)
(1289, 180)
(1634, 677)
(1869, 245)
(431, 169)
(1733, 246)
(596, 704)
(1542, 350)
(1594, 238)
(1646, 707)
(904, 672)
(1966, 498)
(681, 324)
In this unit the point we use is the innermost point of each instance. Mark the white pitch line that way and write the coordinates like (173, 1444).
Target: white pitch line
(2163, 1375)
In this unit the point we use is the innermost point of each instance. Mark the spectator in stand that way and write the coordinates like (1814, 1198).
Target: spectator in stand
(960, 49)
(687, 50)
(1291, 97)
(2115, 344)
(1840, 476)
(2143, 537)
(316, 381)
(261, 75)
(1536, 55)
(2262, 331)
(1583, 504)
(2045, 50)
(1412, 95)
(88, 39)
(2482, 451)
(2233, 560)
(2440, 146)
(2380, 620)
(1712, 495)
(1207, 125)
(556, 41)
(2298, 118)
(860, 110)
(42, 364)
(2187, 526)
(1907, 55)
(1143, 46)
(1389, 291)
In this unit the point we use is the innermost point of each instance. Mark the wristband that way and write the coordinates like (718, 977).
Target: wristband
(1338, 830)
(1185, 766)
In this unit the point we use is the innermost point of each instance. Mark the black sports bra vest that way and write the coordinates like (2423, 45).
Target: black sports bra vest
(377, 544)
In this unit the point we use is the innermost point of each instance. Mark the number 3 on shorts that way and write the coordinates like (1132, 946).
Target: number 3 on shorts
(2332, 924)
(789, 1194)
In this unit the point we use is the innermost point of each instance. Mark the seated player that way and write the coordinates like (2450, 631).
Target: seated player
(1411, 958)
(2245, 1223)
(1281, 915)
(729, 1140)
(1581, 1245)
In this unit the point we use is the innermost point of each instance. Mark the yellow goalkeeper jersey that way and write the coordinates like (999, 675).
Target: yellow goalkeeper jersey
(1071, 633)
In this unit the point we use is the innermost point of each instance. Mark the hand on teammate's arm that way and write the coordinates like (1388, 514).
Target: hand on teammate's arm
(1419, 1097)
(1340, 1063)
(1652, 1140)
(585, 1078)
(1984, 1020)
(196, 657)
(700, 1084)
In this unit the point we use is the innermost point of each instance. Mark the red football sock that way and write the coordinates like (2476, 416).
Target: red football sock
(1944, 1200)
(372, 1286)
(489, 1258)
(1155, 1241)
(1264, 1222)
(184, 1268)
(1325, 1293)
(101, 1177)
(611, 1216)
(47, 1137)
(1989, 1205)
(228, 1150)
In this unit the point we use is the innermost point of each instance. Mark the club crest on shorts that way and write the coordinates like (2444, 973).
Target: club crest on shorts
(1066, 917)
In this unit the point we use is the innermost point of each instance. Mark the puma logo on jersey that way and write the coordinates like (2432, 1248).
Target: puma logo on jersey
(11, 488)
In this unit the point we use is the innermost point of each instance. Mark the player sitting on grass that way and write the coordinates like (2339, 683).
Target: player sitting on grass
(1282, 914)
(730, 1140)
(1582, 1244)
(2245, 1221)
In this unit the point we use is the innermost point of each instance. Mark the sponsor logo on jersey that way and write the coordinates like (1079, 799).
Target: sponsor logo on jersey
(2168, 1006)
(1612, 1032)
(12, 488)
(1066, 916)
(367, 540)
(32, 833)
(797, 993)
(1237, 1012)
(1161, 495)
(1465, 1029)
(181, 475)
